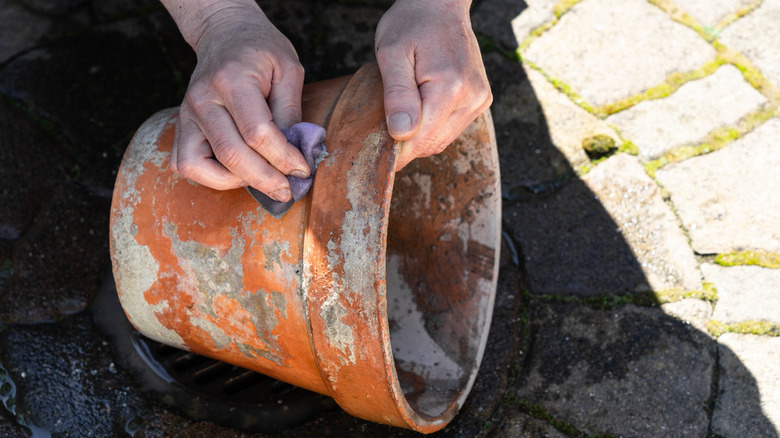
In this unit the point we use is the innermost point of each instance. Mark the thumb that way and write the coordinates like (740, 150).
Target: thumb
(402, 97)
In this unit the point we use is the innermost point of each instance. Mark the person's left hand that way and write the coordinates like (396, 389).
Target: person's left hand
(434, 80)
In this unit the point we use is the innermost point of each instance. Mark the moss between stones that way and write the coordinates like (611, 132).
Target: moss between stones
(671, 84)
(715, 140)
(679, 15)
(763, 328)
(563, 6)
(707, 293)
(737, 15)
(754, 258)
(539, 412)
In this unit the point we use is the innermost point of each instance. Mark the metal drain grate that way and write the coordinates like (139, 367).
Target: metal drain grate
(220, 380)
(199, 387)
(207, 389)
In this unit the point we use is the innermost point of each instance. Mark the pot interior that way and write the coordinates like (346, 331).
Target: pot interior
(442, 254)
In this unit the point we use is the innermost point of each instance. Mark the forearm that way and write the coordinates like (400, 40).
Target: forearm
(192, 17)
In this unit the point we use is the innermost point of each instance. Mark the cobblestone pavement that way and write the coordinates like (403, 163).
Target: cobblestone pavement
(639, 292)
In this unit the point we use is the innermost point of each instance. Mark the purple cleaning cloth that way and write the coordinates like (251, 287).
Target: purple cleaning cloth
(309, 138)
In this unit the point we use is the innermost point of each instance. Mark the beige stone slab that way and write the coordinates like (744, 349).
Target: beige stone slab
(748, 402)
(745, 293)
(728, 200)
(634, 202)
(607, 50)
(689, 114)
(756, 35)
(712, 12)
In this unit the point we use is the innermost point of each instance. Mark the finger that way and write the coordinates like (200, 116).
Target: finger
(243, 161)
(402, 97)
(253, 119)
(436, 109)
(192, 158)
(284, 99)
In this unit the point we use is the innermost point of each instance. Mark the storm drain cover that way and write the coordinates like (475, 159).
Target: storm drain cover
(200, 387)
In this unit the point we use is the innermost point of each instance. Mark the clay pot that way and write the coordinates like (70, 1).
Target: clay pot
(376, 289)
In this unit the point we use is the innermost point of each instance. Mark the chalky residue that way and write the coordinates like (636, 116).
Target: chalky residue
(356, 252)
(140, 269)
(221, 275)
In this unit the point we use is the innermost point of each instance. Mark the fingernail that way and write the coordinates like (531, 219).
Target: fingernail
(299, 174)
(282, 195)
(400, 123)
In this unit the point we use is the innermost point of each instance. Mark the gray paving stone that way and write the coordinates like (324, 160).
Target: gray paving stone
(570, 246)
(748, 403)
(756, 36)
(96, 104)
(686, 116)
(22, 29)
(348, 33)
(58, 263)
(624, 371)
(690, 311)
(529, 159)
(634, 202)
(712, 12)
(607, 50)
(517, 424)
(33, 163)
(728, 199)
(568, 124)
(509, 22)
(745, 293)
(67, 383)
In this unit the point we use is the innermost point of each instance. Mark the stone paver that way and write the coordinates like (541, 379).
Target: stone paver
(33, 164)
(563, 359)
(625, 371)
(748, 371)
(607, 50)
(728, 199)
(745, 293)
(686, 116)
(756, 36)
(490, 18)
(634, 202)
(529, 159)
(712, 12)
(568, 124)
(690, 311)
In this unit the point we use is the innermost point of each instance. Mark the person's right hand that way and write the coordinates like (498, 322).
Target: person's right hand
(246, 86)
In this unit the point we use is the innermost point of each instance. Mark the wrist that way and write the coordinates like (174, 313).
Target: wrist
(196, 18)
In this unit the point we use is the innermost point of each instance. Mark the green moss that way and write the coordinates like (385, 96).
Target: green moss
(563, 6)
(755, 258)
(707, 293)
(671, 84)
(563, 88)
(599, 146)
(537, 411)
(763, 328)
(737, 15)
(715, 140)
(604, 301)
(679, 15)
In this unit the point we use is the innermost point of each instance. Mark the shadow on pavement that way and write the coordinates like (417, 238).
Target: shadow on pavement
(578, 345)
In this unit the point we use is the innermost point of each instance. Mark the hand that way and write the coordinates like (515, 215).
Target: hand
(434, 80)
(246, 86)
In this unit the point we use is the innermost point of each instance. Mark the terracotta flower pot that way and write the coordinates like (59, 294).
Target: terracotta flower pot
(376, 289)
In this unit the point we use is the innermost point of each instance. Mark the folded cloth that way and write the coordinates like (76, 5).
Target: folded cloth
(309, 138)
